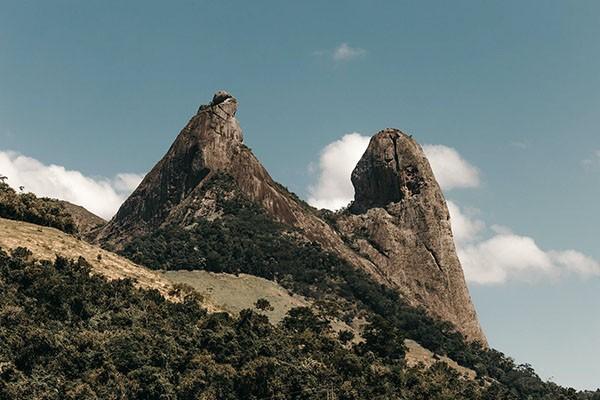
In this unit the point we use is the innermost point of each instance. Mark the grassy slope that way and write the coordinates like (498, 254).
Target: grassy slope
(46, 243)
(235, 293)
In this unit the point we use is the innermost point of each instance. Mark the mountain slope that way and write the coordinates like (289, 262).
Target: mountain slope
(85, 221)
(175, 194)
(47, 243)
(216, 290)
(68, 334)
(172, 193)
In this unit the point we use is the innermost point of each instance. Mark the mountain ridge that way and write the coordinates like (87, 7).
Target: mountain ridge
(172, 193)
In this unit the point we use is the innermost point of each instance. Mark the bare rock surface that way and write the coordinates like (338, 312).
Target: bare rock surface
(400, 222)
(398, 229)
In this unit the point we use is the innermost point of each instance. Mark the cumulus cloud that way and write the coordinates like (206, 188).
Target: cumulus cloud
(450, 169)
(501, 257)
(334, 189)
(489, 254)
(505, 256)
(465, 228)
(344, 52)
(102, 196)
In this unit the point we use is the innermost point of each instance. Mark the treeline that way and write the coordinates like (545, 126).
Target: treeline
(29, 208)
(246, 240)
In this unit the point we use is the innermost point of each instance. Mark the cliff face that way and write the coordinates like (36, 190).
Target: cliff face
(399, 221)
(398, 230)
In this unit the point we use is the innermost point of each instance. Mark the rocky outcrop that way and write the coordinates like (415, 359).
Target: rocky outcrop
(393, 168)
(398, 230)
(399, 221)
(173, 193)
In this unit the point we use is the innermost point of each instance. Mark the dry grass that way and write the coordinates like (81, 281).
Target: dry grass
(235, 293)
(47, 243)
(417, 355)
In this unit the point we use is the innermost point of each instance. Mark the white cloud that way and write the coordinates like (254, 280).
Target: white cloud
(344, 52)
(489, 255)
(449, 168)
(102, 196)
(465, 228)
(127, 182)
(592, 161)
(505, 256)
(576, 262)
(501, 257)
(334, 189)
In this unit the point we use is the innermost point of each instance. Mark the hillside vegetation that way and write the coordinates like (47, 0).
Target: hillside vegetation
(68, 334)
(41, 211)
(106, 328)
(48, 243)
(244, 239)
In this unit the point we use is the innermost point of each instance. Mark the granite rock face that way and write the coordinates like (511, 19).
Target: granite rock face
(208, 142)
(400, 222)
(172, 192)
(398, 229)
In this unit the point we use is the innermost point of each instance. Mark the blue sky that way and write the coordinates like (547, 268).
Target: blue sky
(102, 88)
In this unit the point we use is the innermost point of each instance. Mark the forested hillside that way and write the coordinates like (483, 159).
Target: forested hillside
(244, 239)
(42, 211)
(65, 334)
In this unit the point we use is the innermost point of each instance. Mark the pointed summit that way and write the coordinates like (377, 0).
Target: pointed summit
(393, 168)
(173, 191)
(400, 222)
(210, 142)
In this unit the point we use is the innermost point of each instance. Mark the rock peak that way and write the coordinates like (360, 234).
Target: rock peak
(400, 222)
(222, 103)
(398, 231)
(220, 96)
(393, 168)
